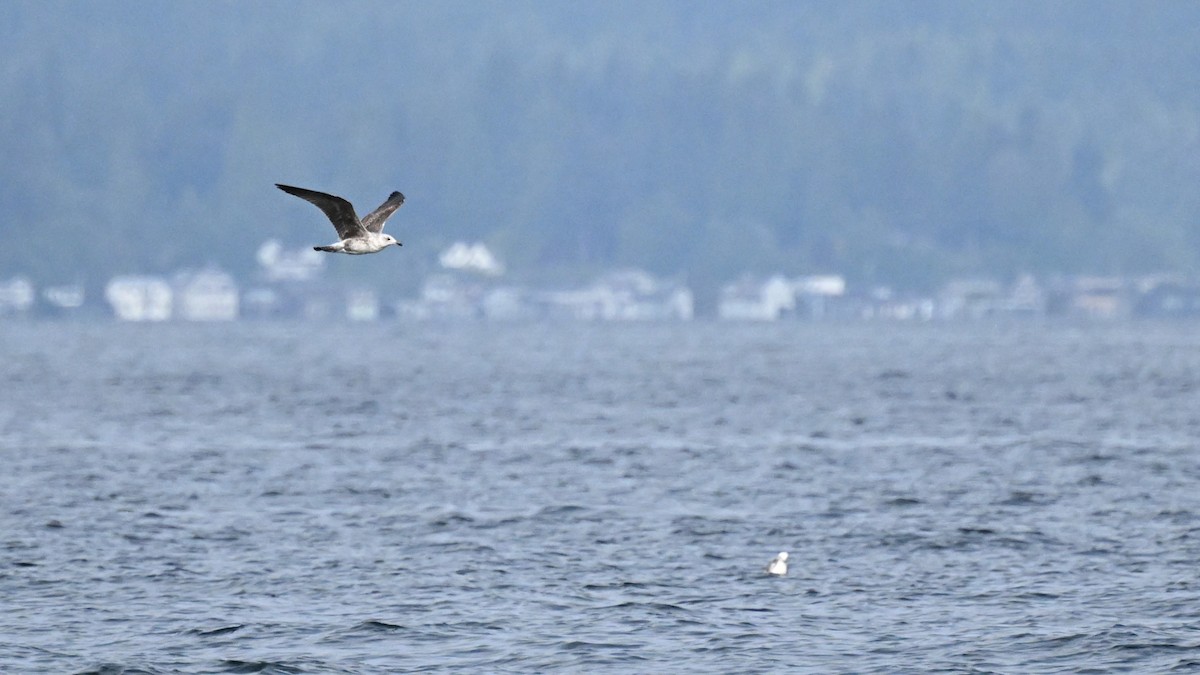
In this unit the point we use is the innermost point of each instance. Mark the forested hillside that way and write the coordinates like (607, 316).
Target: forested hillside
(891, 142)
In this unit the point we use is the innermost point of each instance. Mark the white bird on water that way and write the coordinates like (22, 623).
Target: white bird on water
(357, 236)
(778, 564)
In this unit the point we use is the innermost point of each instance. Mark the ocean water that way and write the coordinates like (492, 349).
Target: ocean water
(306, 498)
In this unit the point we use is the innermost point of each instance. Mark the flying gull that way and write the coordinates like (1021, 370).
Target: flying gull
(357, 236)
(778, 564)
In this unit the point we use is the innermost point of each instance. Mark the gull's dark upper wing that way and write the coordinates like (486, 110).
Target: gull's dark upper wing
(339, 211)
(374, 220)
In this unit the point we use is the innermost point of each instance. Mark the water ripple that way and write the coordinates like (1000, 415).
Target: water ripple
(600, 499)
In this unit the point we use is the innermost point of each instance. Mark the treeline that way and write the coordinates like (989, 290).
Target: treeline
(895, 143)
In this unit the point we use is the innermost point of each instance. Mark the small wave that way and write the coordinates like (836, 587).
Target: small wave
(377, 626)
(381, 493)
(659, 606)
(614, 585)
(118, 669)
(560, 510)
(1038, 595)
(266, 667)
(1026, 498)
(452, 518)
(212, 632)
(583, 644)
(223, 534)
(373, 629)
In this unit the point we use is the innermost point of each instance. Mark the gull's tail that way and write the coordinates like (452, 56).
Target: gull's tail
(327, 249)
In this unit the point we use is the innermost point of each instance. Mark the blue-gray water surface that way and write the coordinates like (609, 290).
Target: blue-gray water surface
(307, 498)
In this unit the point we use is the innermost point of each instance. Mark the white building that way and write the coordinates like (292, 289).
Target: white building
(970, 298)
(507, 303)
(751, 299)
(362, 305)
(65, 297)
(585, 304)
(638, 296)
(139, 298)
(16, 296)
(280, 264)
(624, 295)
(206, 295)
(445, 296)
(815, 293)
(472, 258)
(827, 285)
(1025, 297)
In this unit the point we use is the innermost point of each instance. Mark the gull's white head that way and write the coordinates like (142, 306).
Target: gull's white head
(391, 240)
(778, 564)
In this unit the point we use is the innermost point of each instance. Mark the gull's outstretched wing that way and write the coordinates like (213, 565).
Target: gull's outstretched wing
(374, 220)
(339, 211)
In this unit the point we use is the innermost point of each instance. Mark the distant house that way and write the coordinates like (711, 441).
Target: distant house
(262, 303)
(280, 264)
(635, 295)
(471, 258)
(16, 296)
(885, 303)
(1100, 298)
(1026, 296)
(507, 303)
(139, 298)
(970, 299)
(623, 295)
(978, 298)
(445, 296)
(1168, 298)
(206, 295)
(751, 299)
(585, 304)
(362, 304)
(815, 294)
(62, 300)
